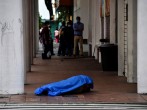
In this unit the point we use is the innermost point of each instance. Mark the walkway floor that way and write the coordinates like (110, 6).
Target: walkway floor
(108, 87)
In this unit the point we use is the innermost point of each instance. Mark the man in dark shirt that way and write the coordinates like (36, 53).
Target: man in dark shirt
(69, 36)
(78, 35)
(46, 38)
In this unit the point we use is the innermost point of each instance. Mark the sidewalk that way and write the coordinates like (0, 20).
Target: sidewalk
(108, 87)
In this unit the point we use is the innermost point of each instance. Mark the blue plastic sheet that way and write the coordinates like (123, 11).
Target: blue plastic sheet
(64, 86)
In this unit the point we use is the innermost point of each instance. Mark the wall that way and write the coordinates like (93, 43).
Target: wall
(126, 37)
(132, 42)
(90, 14)
(141, 46)
(81, 8)
(113, 21)
(120, 36)
(95, 27)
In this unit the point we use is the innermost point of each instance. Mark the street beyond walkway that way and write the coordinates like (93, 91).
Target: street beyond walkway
(108, 87)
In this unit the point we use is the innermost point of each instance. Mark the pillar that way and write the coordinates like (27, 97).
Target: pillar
(90, 29)
(33, 27)
(96, 27)
(141, 46)
(36, 16)
(31, 32)
(120, 37)
(11, 47)
(113, 21)
(93, 26)
(132, 41)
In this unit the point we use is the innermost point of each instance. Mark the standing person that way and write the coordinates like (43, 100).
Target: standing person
(62, 43)
(46, 38)
(51, 41)
(69, 36)
(78, 35)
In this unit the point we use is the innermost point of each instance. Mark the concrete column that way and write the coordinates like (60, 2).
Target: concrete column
(36, 16)
(132, 41)
(26, 37)
(11, 47)
(30, 31)
(120, 37)
(34, 28)
(93, 26)
(90, 28)
(113, 21)
(141, 46)
(96, 27)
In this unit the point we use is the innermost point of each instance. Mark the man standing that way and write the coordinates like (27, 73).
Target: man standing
(78, 35)
(46, 40)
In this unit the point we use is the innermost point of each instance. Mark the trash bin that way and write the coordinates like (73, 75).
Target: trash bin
(109, 55)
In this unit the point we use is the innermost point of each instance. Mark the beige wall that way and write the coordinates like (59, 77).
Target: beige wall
(81, 8)
(132, 42)
(88, 10)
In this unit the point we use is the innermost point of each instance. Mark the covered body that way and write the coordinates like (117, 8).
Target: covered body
(65, 86)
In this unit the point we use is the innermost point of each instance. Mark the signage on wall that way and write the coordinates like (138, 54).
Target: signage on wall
(105, 8)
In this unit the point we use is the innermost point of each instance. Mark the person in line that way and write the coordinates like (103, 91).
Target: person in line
(46, 39)
(69, 36)
(78, 35)
(51, 41)
(62, 42)
(56, 34)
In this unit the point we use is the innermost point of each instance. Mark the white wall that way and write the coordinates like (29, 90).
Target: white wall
(142, 46)
(83, 11)
(132, 41)
(90, 14)
(113, 21)
(96, 27)
(11, 47)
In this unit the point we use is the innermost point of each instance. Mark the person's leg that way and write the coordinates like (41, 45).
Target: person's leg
(59, 49)
(46, 50)
(52, 47)
(69, 48)
(81, 45)
(75, 44)
(77, 49)
(63, 48)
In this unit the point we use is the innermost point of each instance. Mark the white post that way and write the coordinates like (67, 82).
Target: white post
(93, 26)
(120, 37)
(26, 37)
(31, 31)
(132, 41)
(142, 46)
(11, 47)
(105, 27)
(96, 27)
(36, 26)
(113, 21)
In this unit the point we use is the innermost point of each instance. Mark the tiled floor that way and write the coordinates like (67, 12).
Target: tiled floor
(108, 87)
